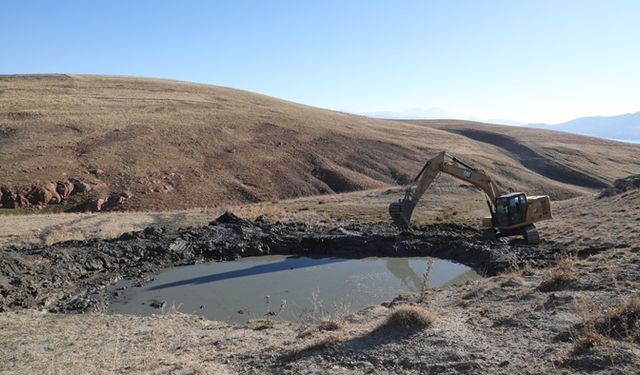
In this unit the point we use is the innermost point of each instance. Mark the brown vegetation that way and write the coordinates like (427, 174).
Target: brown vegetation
(560, 275)
(621, 320)
(177, 145)
(409, 318)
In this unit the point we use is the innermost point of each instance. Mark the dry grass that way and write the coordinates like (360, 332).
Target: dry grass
(622, 320)
(409, 318)
(587, 339)
(560, 275)
(527, 270)
(511, 279)
(215, 146)
(331, 340)
(599, 326)
(476, 288)
(514, 275)
(50, 228)
(35, 343)
(588, 222)
(426, 277)
(337, 209)
(330, 325)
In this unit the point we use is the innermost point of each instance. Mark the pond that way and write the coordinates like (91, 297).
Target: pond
(289, 287)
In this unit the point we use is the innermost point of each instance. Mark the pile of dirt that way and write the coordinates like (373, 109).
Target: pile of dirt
(621, 185)
(60, 277)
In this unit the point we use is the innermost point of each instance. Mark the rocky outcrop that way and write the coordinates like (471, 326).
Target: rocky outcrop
(22, 201)
(40, 195)
(80, 186)
(64, 188)
(114, 200)
(98, 205)
(111, 202)
(51, 187)
(7, 198)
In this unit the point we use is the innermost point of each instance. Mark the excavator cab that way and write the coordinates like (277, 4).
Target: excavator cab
(511, 209)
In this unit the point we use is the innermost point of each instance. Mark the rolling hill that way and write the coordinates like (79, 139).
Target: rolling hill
(175, 145)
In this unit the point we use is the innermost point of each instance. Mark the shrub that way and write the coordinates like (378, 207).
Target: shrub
(409, 318)
(558, 277)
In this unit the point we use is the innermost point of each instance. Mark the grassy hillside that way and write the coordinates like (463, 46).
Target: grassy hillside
(574, 159)
(178, 145)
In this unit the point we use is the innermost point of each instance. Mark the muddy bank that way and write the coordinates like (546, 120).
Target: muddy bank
(61, 277)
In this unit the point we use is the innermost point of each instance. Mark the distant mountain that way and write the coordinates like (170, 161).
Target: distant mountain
(622, 127)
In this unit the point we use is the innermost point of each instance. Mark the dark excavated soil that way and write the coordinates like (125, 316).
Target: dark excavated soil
(67, 276)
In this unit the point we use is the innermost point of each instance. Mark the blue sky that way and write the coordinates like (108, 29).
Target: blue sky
(529, 61)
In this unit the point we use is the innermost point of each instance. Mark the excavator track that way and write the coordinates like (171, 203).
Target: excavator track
(531, 234)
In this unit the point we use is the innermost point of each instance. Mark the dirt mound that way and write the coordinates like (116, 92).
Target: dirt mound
(178, 145)
(62, 276)
(621, 185)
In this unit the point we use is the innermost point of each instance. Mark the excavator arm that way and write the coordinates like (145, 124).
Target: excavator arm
(402, 210)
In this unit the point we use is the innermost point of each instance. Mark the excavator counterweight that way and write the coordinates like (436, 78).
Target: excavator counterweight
(511, 213)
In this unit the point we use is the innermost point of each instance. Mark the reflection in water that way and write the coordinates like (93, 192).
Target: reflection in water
(289, 263)
(235, 291)
(400, 268)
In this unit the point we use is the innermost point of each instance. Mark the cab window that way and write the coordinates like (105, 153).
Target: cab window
(501, 206)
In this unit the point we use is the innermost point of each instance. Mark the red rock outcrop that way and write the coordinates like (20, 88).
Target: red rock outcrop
(64, 188)
(99, 205)
(40, 195)
(21, 200)
(112, 201)
(51, 187)
(8, 198)
(80, 186)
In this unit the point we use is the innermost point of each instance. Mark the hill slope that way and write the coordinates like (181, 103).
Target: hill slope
(181, 145)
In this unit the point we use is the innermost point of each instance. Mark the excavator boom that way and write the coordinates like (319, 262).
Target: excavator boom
(510, 213)
(402, 210)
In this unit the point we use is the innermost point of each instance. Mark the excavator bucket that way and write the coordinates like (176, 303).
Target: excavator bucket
(401, 213)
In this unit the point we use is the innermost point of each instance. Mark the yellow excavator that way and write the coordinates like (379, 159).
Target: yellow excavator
(512, 214)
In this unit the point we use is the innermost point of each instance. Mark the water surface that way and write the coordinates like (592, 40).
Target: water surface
(255, 287)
